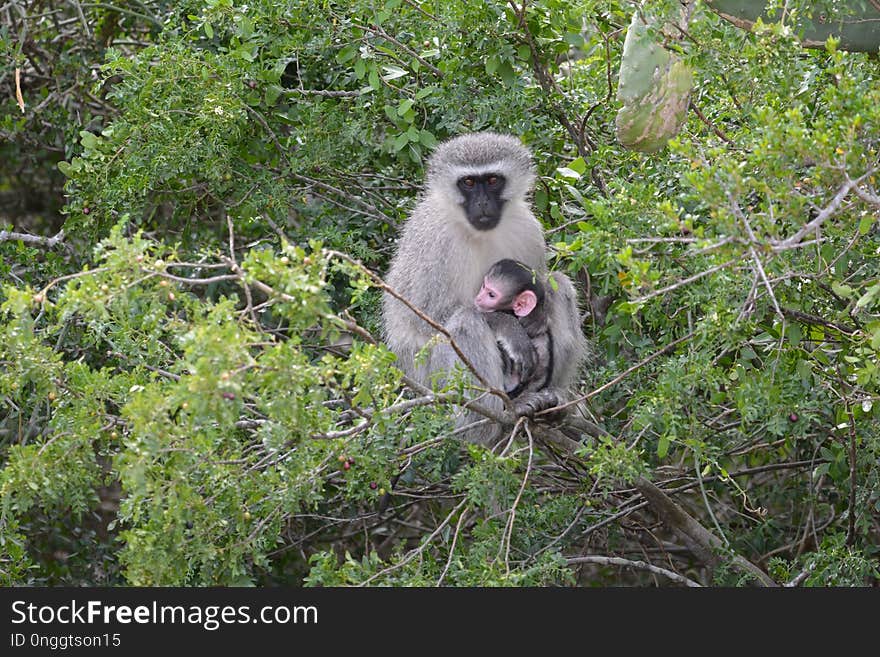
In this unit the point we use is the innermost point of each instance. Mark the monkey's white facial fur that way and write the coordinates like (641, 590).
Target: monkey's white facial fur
(480, 155)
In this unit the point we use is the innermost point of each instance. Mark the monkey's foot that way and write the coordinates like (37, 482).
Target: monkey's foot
(530, 403)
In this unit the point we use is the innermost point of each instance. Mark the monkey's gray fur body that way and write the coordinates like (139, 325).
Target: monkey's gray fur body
(441, 259)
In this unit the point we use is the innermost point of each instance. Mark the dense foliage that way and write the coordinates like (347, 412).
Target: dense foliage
(193, 388)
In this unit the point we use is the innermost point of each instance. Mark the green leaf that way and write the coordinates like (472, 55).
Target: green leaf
(865, 224)
(405, 106)
(541, 199)
(209, 31)
(507, 73)
(273, 91)
(400, 141)
(662, 447)
(575, 39)
(842, 290)
(373, 79)
(346, 54)
(392, 73)
(415, 153)
(360, 68)
(578, 165)
(804, 370)
(575, 193)
(868, 297)
(565, 172)
(88, 139)
(427, 139)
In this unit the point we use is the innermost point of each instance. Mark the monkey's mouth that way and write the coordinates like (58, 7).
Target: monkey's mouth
(484, 221)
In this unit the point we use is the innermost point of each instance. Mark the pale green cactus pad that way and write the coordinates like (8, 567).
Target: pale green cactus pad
(654, 87)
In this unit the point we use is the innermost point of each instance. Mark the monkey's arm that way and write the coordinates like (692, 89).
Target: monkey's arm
(517, 350)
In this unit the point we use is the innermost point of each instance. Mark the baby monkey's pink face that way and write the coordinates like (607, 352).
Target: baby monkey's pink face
(490, 297)
(495, 295)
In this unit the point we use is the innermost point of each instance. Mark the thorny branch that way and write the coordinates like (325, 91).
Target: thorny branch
(548, 84)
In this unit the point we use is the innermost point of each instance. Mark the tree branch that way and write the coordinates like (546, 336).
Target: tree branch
(703, 543)
(641, 565)
(11, 236)
(826, 212)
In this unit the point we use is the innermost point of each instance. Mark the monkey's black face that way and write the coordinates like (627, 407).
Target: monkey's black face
(482, 199)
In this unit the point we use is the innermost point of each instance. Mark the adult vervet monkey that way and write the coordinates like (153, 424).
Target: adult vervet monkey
(474, 211)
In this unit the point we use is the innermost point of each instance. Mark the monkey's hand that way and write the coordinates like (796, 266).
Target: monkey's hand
(518, 354)
(530, 403)
(513, 385)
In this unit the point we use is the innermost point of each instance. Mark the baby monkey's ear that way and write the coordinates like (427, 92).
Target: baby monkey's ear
(524, 303)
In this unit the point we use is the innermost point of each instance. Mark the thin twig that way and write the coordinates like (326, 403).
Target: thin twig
(82, 18)
(685, 281)
(327, 93)
(380, 31)
(412, 554)
(68, 277)
(508, 530)
(196, 281)
(718, 131)
(798, 579)
(826, 212)
(866, 196)
(641, 565)
(812, 319)
(738, 213)
(452, 547)
(705, 497)
(620, 376)
(851, 529)
(418, 8)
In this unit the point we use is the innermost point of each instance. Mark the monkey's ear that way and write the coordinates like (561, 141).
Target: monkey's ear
(524, 303)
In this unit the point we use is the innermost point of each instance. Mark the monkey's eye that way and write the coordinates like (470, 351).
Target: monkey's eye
(492, 180)
(491, 295)
(468, 182)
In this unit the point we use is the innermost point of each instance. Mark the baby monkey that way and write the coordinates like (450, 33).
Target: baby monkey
(513, 299)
